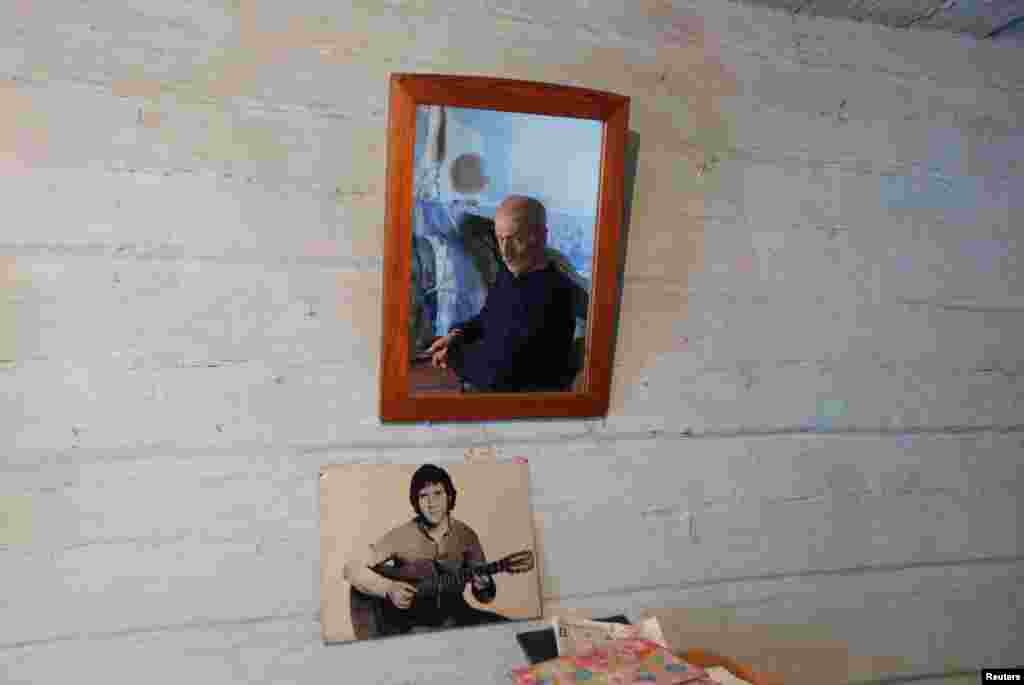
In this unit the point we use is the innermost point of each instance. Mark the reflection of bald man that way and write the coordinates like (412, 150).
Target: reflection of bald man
(522, 338)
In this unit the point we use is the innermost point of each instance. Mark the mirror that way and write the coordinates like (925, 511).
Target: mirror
(542, 173)
(500, 275)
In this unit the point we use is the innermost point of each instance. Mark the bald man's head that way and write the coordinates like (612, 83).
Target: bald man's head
(525, 209)
(520, 225)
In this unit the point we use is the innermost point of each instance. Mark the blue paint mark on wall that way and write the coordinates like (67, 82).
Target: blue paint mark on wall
(940, 182)
(831, 408)
(904, 264)
(828, 411)
(986, 253)
(957, 199)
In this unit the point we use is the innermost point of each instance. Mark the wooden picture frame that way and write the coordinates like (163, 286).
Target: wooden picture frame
(589, 394)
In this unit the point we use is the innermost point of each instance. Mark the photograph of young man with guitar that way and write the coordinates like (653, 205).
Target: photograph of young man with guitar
(414, 577)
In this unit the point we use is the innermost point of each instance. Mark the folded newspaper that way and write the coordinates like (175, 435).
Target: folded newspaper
(577, 635)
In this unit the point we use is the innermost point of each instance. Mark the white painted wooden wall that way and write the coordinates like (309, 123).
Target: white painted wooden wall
(819, 358)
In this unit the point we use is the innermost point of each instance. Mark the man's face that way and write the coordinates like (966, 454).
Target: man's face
(433, 501)
(517, 241)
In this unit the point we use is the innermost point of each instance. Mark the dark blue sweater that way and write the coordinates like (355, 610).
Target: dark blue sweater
(522, 338)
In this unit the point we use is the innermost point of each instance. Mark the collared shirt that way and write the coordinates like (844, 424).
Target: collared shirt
(411, 541)
(522, 338)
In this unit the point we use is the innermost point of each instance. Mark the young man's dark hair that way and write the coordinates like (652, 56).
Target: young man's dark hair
(427, 475)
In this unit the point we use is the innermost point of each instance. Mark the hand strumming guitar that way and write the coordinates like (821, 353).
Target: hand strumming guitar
(481, 582)
(400, 594)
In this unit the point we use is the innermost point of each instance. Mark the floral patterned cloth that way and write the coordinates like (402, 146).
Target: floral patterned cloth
(630, 661)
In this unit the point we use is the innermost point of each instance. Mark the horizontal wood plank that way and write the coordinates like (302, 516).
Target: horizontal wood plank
(279, 138)
(69, 405)
(270, 108)
(254, 521)
(207, 402)
(833, 607)
(181, 312)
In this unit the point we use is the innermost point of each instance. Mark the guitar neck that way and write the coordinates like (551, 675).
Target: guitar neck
(457, 579)
(432, 576)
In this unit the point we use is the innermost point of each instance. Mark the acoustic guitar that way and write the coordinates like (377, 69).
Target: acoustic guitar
(434, 580)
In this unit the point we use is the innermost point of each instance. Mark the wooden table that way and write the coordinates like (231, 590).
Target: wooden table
(708, 659)
(767, 653)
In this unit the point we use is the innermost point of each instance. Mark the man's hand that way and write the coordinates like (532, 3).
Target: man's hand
(439, 350)
(401, 594)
